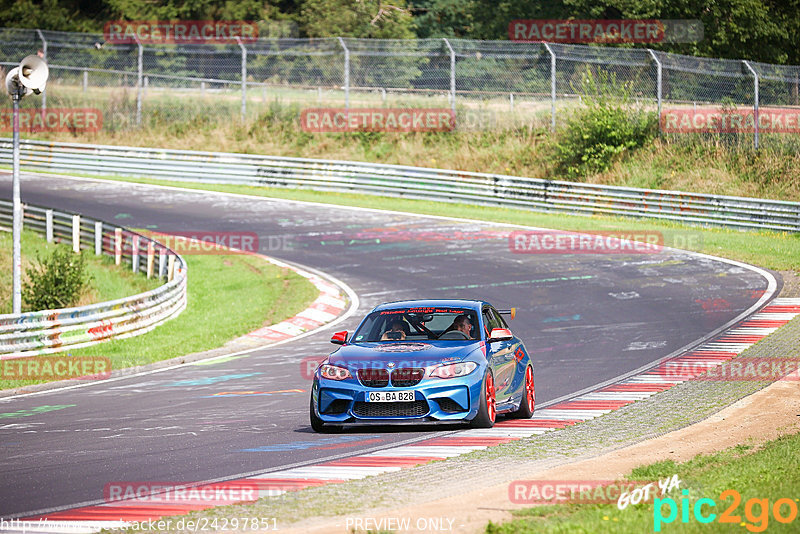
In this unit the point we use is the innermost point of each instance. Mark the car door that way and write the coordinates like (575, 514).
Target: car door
(501, 357)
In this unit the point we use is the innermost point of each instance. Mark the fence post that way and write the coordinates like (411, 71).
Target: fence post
(44, 57)
(135, 253)
(452, 75)
(244, 77)
(98, 238)
(162, 267)
(76, 233)
(755, 101)
(150, 258)
(48, 225)
(346, 74)
(552, 87)
(139, 75)
(85, 80)
(658, 83)
(117, 246)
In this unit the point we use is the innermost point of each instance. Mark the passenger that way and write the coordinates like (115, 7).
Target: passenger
(396, 332)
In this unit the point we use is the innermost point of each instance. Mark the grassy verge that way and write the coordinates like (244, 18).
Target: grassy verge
(773, 250)
(108, 282)
(228, 297)
(767, 474)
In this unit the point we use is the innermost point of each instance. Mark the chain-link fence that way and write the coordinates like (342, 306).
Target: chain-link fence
(486, 83)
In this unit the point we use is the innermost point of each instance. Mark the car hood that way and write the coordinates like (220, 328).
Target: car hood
(403, 353)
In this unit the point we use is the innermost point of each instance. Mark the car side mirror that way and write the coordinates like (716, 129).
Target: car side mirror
(339, 338)
(500, 334)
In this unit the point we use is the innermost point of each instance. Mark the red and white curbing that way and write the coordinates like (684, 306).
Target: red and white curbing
(583, 408)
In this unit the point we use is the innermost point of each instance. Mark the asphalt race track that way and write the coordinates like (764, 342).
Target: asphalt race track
(585, 319)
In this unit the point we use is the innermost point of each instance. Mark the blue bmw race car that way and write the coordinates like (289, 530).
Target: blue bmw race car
(424, 361)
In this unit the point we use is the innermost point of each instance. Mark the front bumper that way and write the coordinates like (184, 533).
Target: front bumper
(435, 400)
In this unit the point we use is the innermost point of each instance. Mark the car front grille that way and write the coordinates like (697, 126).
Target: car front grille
(449, 405)
(406, 377)
(391, 409)
(374, 378)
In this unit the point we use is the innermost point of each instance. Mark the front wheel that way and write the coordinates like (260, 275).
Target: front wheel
(316, 423)
(487, 412)
(528, 401)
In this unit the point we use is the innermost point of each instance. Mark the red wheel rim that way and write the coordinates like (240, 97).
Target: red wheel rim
(530, 394)
(491, 405)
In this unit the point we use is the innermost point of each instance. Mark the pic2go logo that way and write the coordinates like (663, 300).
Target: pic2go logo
(756, 511)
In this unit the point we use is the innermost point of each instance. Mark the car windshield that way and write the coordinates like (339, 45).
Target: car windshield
(418, 324)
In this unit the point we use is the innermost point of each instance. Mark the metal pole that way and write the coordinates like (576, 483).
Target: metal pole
(658, 82)
(17, 212)
(755, 101)
(139, 74)
(552, 87)
(346, 74)
(244, 78)
(44, 57)
(452, 75)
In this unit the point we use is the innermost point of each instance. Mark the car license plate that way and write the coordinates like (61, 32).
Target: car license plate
(390, 396)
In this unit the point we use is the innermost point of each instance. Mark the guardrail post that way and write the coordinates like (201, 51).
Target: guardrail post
(346, 74)
(139, 75)
(244, 77)
(76, 233)
(48, 225)
(117, 246)
(452, 75)
(552, 87)
(755, 100)
(150, 259)
(171, 268)
(44, 57)
(658, 83)
(98, 238)
(135, 253)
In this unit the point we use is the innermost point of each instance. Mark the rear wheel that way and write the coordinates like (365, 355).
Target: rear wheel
(487, 412)
(528, 401)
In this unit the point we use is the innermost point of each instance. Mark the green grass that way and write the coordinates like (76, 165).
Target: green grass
(108, 281)
(771, 472)
(228, 296)
(773, 250)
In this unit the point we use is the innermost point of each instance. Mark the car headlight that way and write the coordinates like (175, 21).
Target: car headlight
(454, 370)
(334, 372)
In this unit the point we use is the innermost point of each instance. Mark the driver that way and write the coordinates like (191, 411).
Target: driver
(463, 324)
(394, 333)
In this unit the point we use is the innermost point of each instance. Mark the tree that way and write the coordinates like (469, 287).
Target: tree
(356, 18)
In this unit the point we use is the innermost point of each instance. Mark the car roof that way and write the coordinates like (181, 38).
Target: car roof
(432, 303)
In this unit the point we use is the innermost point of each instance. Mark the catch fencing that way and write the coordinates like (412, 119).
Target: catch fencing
(408, 182)
(514, 82)
(48, 331)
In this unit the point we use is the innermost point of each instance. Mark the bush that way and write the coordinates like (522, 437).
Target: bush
(607, 126)
(56, 282)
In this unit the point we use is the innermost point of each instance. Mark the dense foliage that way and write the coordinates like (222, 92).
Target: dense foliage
(761, 30)
(55, 282)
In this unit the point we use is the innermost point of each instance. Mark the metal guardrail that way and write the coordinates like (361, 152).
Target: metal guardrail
(49, 331)
(408, 182)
